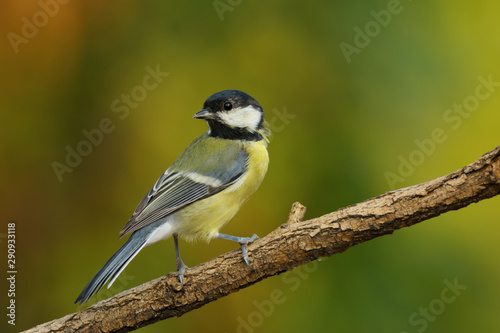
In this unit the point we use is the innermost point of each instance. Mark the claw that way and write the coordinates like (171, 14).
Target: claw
(181, 268)
(244, 253)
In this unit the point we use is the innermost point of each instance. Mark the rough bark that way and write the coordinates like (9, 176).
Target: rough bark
(290, 245)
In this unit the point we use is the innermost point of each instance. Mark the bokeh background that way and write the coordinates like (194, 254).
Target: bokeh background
(341, 122)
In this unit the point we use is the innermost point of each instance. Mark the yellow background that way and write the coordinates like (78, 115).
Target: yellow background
(349, 123)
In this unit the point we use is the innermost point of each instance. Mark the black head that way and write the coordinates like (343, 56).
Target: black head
(233, 114)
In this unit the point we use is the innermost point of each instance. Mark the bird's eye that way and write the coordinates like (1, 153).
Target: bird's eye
(228, 106)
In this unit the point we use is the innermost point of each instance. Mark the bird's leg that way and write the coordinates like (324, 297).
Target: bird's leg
(243, 242)
(179, 264)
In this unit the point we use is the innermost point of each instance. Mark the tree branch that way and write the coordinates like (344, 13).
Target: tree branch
(290, 245)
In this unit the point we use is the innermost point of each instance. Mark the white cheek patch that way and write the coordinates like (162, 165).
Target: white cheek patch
(248, 117)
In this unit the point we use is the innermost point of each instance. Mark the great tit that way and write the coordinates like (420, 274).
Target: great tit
(203, 189)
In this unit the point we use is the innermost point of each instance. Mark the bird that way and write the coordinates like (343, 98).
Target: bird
(202, 190)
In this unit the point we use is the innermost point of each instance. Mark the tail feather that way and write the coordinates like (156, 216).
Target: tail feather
(113, 267)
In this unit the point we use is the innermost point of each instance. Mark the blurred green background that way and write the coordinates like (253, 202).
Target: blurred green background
(343, 116)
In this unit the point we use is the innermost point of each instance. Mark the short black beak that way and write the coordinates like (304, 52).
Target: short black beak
(203, 114)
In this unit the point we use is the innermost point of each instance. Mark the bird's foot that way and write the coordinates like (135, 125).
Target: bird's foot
(181, 268)
(244, 241)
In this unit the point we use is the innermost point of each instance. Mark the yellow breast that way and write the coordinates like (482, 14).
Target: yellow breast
(203, 219)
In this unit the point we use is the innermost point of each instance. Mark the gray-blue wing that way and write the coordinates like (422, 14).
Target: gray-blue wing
(175, 190)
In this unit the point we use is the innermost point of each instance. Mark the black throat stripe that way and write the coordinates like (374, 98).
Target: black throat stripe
(218, 130)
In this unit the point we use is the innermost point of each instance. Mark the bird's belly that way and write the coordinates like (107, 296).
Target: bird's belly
(203, 219)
